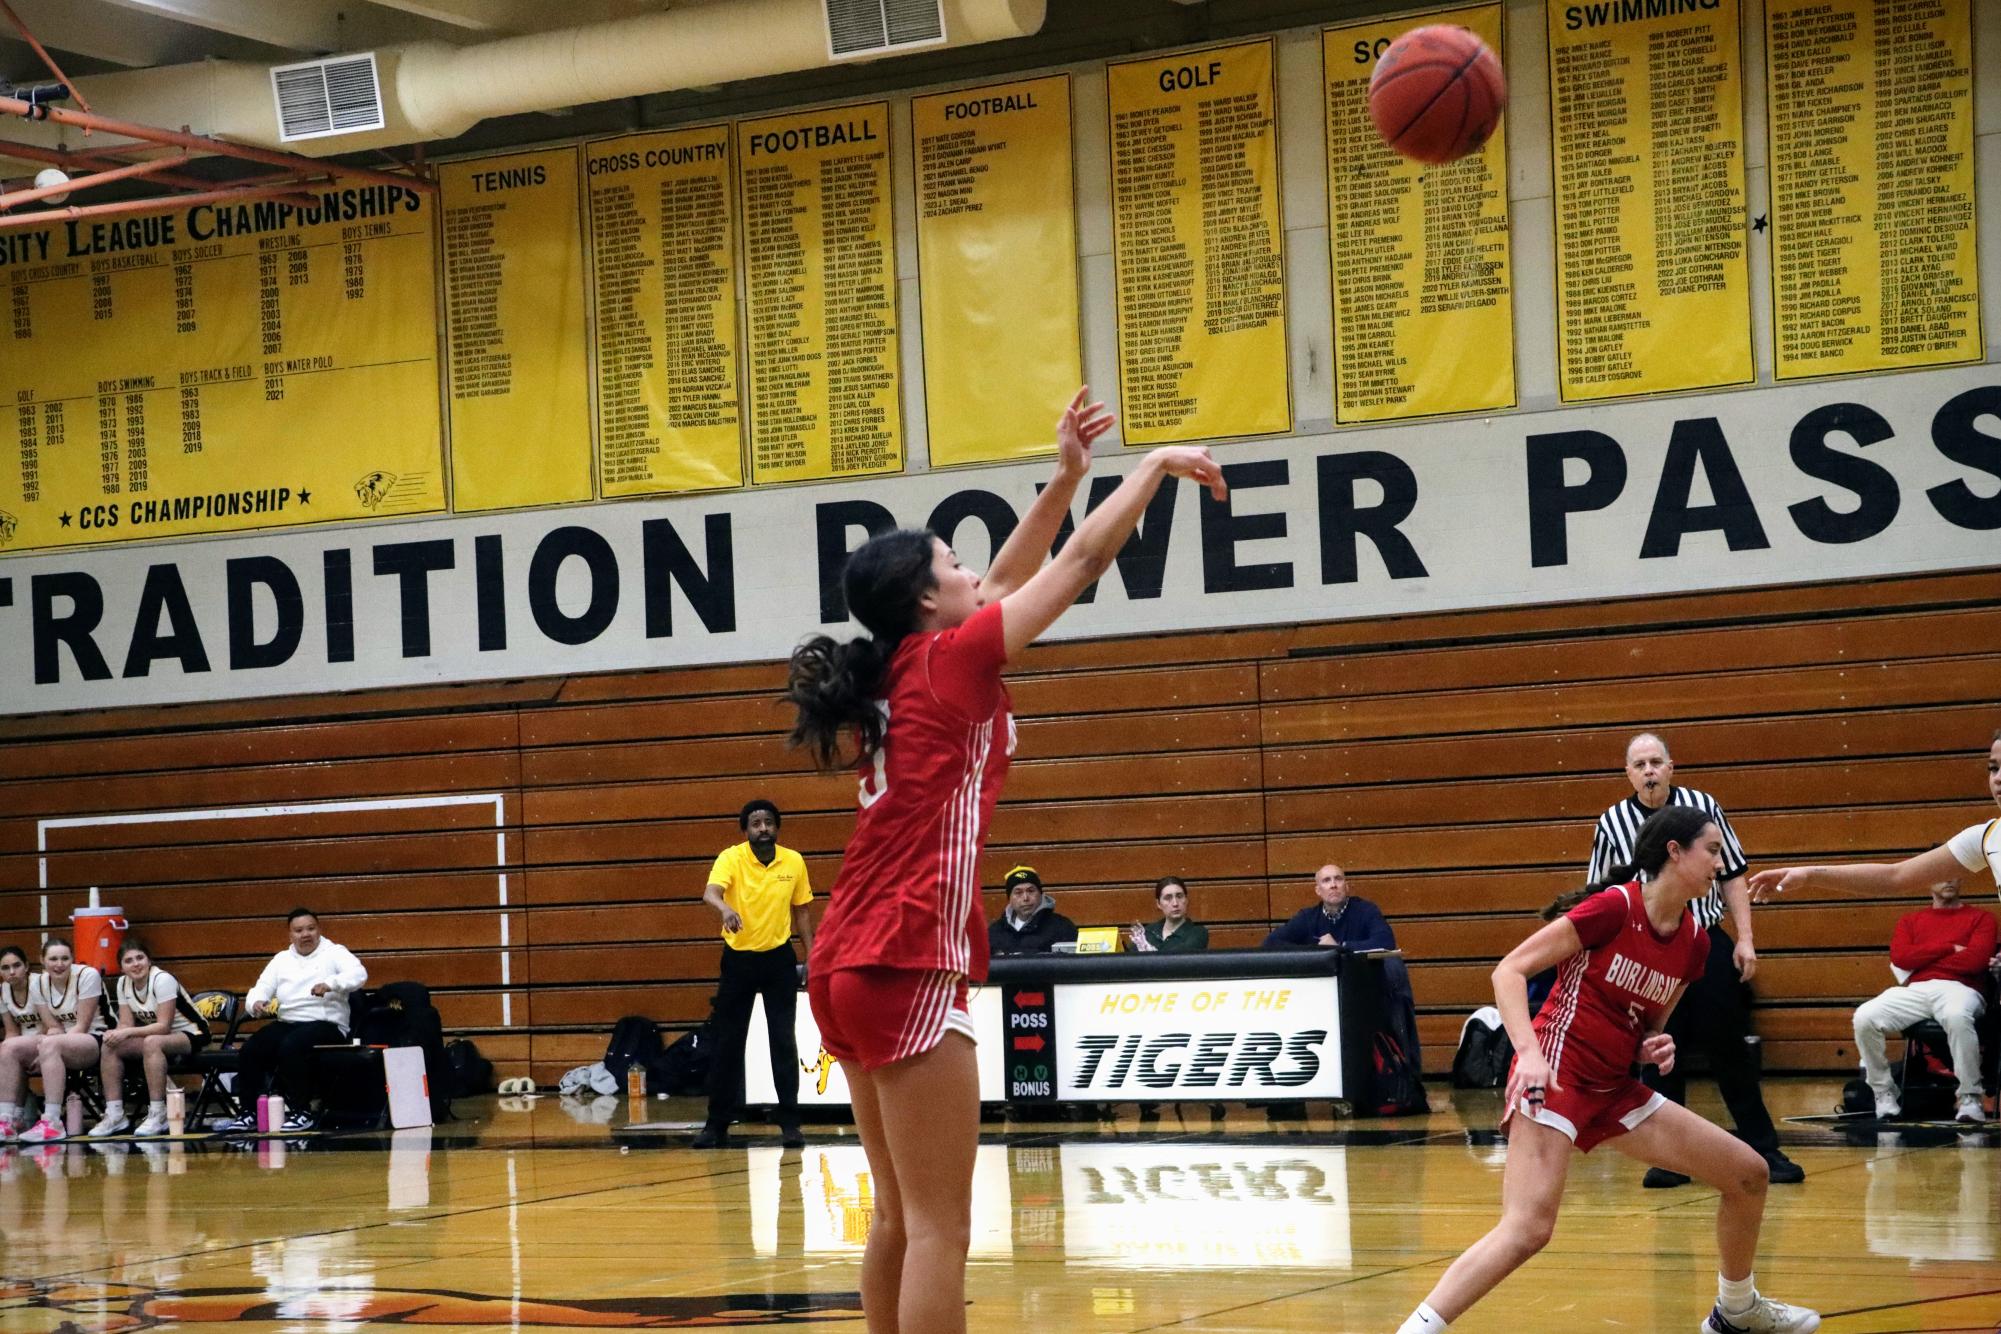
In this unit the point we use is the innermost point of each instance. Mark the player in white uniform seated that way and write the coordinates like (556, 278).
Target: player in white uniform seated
(69, 1002)
(1974, 848)
(20, 1036)
(156, 1022)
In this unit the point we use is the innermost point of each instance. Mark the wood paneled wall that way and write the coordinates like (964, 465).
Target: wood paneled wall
(1453, 763)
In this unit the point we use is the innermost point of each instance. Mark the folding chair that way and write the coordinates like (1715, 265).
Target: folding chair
(223, 1011)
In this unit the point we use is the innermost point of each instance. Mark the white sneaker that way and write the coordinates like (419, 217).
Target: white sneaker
(113, 1123)
(1971, 1109)
(43, 1131)
(1887, 1106)
(8, 1131)
(154, 1124)
(1765, 1317)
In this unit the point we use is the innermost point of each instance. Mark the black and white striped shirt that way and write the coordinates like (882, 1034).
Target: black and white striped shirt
(1612, 845)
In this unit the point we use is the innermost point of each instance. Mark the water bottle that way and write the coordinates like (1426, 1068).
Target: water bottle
(73, 1114)
(263, 1113)
(635, 1082)
(277, 1113)
(177, 1110)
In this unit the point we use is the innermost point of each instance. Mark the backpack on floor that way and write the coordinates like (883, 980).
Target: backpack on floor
(684, 1067)
(634, 1038)
(1398, 1083)
(471, 1073)
(1484, 1051)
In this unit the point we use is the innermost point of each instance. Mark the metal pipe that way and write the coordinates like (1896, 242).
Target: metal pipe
(47, 59)
(13, 106)
(73, 212)
(125, 172)
(107, 157)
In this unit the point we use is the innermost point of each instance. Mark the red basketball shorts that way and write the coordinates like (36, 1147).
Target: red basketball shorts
(876, 1016)
(1586, 1117)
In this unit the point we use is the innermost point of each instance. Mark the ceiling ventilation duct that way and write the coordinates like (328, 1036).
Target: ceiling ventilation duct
(318, 98)
(857, 28)
(430, 91)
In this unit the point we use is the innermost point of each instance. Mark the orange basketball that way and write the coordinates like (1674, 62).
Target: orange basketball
(1437, 93)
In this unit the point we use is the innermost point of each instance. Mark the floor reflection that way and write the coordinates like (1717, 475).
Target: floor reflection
(1148, 1205)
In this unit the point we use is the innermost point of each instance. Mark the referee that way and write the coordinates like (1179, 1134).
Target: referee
(760, 890)
(1712, 1015)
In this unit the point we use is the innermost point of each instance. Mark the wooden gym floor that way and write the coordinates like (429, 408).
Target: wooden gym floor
(531, 1215)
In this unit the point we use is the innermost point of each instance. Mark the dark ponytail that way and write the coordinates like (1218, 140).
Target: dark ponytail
(1669, 824)
(835, 685)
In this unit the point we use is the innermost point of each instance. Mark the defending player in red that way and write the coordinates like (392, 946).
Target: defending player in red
(1627, 953)
(903, 933)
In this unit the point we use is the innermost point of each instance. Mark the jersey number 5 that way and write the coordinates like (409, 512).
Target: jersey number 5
(875, 779)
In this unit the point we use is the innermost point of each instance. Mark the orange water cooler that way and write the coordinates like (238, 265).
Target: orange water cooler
(98, 934)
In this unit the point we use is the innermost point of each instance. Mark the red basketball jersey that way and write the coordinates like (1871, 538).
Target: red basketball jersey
(1616, 990)
(908, 895)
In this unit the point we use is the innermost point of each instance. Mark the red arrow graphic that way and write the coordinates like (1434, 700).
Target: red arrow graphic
(1029, 1044)
(1031, 998)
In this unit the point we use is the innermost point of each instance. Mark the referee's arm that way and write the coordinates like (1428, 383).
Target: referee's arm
(1737, 897)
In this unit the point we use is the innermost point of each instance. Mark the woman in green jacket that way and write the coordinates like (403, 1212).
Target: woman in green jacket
(1173, 933)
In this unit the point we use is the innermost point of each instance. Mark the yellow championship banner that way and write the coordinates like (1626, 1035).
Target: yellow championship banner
(1198, 246)
(517, 359)
(1647, 145)
(1424, 317)
(220, 367)
(997, 254)
(820, 261)
(1873, 238)
(664, 308)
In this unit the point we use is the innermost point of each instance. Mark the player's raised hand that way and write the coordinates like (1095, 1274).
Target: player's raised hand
(1768, 885)
(1080, 424)
(1658, 1049)
(1194, 463)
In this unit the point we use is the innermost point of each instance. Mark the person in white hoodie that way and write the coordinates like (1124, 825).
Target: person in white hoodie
(302, 993)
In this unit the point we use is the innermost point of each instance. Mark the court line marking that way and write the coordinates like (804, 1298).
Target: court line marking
(191, 814)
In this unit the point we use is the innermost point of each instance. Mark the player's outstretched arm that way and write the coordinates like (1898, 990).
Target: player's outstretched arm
(1913, 875)
(1028, 545)
(1034, 607)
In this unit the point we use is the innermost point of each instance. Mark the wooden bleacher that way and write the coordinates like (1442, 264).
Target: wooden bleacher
(1453, 763)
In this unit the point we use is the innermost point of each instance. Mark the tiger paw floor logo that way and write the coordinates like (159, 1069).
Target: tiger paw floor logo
(373, 488)
(32, 1305)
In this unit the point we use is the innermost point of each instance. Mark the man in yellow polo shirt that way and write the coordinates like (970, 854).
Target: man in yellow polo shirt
(761, 892)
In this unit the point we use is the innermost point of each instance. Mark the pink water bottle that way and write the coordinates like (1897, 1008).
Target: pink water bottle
(73, 1114)
(263, 1113)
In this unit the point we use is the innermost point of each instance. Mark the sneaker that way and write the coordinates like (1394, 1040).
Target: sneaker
(43, 1131)
(1765, 1317)
(8, 1132)
(1659, 1178)
(295, 1122)
(1971, 1109)
(791, 1136)
(241, 1125)
(1783, 1171)
(1887, 1106)
(112, 1123)
(154, 1124)
(710, 1137)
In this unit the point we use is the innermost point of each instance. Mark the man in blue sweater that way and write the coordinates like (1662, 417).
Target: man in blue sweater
(1339, 918)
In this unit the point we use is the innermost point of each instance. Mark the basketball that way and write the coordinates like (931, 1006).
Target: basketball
(1437, 93)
